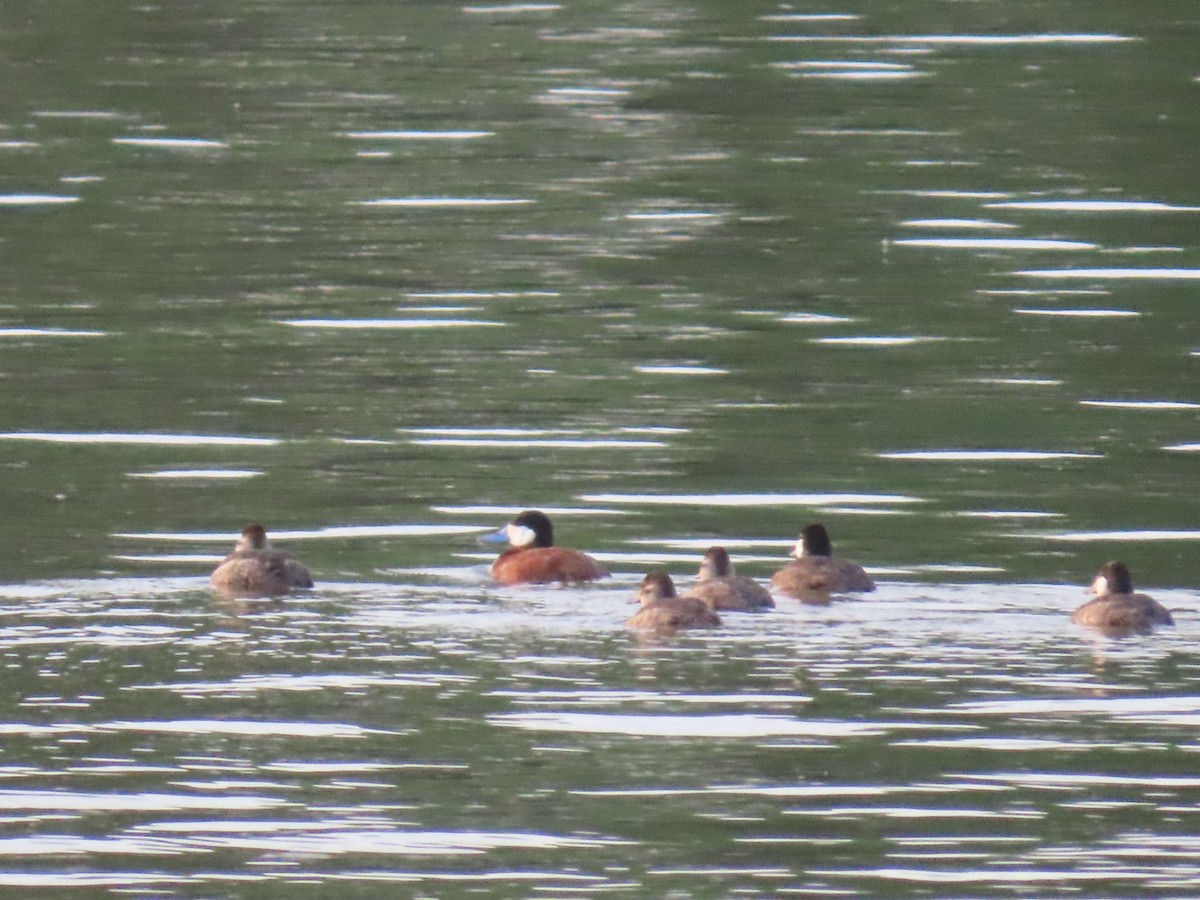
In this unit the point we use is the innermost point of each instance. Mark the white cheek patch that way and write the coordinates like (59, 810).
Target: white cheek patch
(1100, 585)
(798, 550)
(520, 536)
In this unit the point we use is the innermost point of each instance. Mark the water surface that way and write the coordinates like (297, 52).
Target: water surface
(381, 275)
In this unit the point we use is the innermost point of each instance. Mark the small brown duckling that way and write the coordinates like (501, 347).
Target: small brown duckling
(664, 610)
(816, 571)
(255, 569)
(719, 588)
(1116, 606)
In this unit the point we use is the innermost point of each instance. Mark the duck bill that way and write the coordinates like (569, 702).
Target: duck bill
(496, 537)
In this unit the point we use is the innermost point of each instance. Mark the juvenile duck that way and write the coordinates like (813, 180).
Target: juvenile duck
(816, 571)
(1116, 607)
(719, 588)
(664, 610)
(532, 557)
(255, 569)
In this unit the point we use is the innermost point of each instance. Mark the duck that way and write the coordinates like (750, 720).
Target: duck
(1116, 607)
(532, 557)
(719, 588)
(664, 610)
(256, 569)
(815, 571)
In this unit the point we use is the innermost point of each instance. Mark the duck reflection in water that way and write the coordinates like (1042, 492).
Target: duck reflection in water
(816, 573)
(663, 610)
(256, 569)
(532, 557)
(1116, 609)
(719, 588)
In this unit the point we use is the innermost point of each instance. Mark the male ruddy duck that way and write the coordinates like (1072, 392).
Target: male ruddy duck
(255, 569)
(664, 610)
(532, 557)
(816, 571)
(1117, 607)
(719, 588)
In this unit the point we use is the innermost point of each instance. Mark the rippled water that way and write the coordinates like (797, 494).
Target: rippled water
(379, 275)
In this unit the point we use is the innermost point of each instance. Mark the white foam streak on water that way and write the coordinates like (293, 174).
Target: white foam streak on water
(37, 199)
(251, 684)
(170, 143)
(79, 801)
(414, 135)
(545, 443)
(1054, 706)
(1023, 382)
(986, 455)
(203, 474)
(330, 531)
(980, 224)
(1116, 274)
(1146, 534)
(510, 511)
(1141, 404)
(813, 319)
(1079, 313)
(989, 875)
(442, 202)
(788, 790)
(680, 370)
(781, 499)
(1057, 780)
(49, 332)
(671, 216)
(1093, 206)
(140, 438)
(809, 17)
(389, 324)
(511, 8)
(1183, 448)
(710, 726)
(978, 40)
(1008, 514)
(847, 65)
(956, 243)
(877, 340)
(123, 880)
(863, 75)
(245, 728)
(614, 698)
(934, 813)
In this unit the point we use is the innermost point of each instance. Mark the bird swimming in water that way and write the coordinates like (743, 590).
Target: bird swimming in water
(664, 610)
(532, 557)
(816, 572)
(256, 569)
(1116, 607)
(719, 588)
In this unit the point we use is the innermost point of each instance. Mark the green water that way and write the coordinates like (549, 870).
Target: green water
(666, 249)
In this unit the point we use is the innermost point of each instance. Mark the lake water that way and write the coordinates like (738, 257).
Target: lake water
(381, 274)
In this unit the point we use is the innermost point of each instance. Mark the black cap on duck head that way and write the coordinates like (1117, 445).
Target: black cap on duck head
(254, 537)
(656, 586)
(814, 541)
(716, 564)
(1115, 577)
(538, 523)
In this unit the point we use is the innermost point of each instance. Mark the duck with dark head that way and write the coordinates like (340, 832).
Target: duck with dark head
(719, 588)
(256, 569)
(532, 557)
(664, 610)
(1116, 607)
(815, 571)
